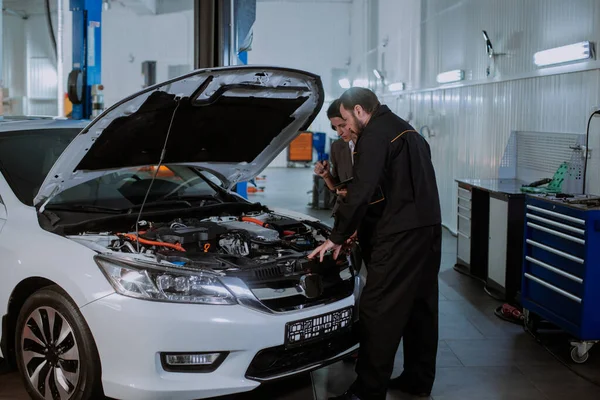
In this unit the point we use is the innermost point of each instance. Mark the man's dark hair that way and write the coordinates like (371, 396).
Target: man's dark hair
(334, 109)
(358, 96)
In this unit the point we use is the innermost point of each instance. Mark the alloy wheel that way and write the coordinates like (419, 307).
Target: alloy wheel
(50, 354)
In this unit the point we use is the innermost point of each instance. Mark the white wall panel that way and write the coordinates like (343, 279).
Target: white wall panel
(13, 43)
(312, 36)
(42, 78)
(128, 39)
(471, 125)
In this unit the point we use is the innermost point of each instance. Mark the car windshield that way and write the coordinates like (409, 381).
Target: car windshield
(27, 156)
(127, 188)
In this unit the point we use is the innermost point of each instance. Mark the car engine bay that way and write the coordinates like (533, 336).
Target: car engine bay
(267, 251)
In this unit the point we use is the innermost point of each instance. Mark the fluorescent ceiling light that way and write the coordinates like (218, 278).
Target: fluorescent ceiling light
(360, 83)
(344, 83)
(451, 76)
(396, 86)
(559, 55)
(377, 74)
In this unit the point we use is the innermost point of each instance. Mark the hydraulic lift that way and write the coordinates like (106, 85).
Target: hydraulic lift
(84, 88)
(222, 37)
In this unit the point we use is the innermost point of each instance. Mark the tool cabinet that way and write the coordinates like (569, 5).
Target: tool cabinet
(561, 269)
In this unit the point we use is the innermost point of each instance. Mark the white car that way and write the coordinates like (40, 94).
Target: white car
(129, 267)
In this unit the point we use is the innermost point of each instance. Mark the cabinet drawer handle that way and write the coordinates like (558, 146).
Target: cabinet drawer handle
(462, 216)
(554, 251)
(557, 215)
(555, 233)
(464, 199)
(554, 269)
(463, 235)
(557, 224)
(553, 288)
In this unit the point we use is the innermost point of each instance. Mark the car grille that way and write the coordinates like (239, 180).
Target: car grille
(278, 362)
(277, 286)
(335, 291)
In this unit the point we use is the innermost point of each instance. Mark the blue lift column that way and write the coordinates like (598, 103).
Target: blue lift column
(84, 86)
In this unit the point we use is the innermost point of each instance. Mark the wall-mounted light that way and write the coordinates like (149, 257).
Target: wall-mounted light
(364, 83)
(396, 87)
(344, 83)
(451, 76)
(564, 54)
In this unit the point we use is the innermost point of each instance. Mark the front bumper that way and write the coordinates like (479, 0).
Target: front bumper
(130, 335)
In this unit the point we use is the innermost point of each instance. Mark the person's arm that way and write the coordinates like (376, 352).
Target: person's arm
(369, 164)
(332, 178)
(329, 175)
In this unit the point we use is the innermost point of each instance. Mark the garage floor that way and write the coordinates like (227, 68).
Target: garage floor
(480, 357)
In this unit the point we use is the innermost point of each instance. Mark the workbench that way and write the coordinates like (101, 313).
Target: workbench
(490, 233)
(561, 278)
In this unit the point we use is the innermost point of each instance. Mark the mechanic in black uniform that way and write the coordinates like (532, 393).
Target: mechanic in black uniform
(393, 196)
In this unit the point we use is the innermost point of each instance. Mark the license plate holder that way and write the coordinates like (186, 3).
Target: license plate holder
(319, 327)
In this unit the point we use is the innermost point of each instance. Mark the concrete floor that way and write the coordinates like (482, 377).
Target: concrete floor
(480, 357)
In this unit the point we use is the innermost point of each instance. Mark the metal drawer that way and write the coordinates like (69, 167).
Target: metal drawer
(464, 193)
(549, 255)
(552, 275)
(464, 247)
(464, 224)
(464, 211)
(464, 203)
(553, 299)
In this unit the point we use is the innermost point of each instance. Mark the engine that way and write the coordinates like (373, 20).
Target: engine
(266, 251)
(260, 239)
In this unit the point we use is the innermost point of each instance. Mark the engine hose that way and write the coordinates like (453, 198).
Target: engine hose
(147, 242)
(264, 225)
(255, 221)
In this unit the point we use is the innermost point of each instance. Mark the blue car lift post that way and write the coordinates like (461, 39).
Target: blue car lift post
(222, 30)
(84, 87)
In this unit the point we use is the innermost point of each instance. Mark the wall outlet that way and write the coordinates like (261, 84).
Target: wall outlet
(595, 109)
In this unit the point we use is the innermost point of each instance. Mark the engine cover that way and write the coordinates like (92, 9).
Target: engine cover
(256, 231)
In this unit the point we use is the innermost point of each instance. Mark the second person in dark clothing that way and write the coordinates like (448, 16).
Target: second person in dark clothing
(393, 200)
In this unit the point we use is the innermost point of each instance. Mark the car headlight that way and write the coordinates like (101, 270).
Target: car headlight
(154, 282)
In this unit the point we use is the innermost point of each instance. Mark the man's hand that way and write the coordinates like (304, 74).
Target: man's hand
(352, 238)
(341, 192)
(322, 249)
(322, 169)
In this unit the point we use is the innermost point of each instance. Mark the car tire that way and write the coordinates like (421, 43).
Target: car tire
(52, 340)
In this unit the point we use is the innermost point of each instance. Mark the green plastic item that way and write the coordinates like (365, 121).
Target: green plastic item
(555, 186)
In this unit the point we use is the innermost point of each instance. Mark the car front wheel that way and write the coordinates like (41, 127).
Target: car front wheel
(56, 354)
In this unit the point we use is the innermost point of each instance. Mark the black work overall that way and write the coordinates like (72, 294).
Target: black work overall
(393, 201)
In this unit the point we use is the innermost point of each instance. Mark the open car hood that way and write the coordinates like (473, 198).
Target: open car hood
(230, 121)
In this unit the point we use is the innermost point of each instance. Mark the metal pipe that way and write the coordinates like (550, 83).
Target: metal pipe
(59, 58)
